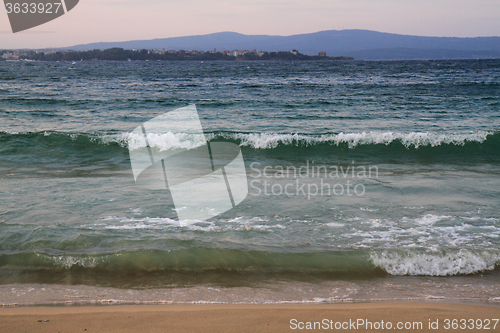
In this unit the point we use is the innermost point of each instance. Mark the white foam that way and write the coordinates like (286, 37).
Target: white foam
(167, 141)
(411, 139)
(435, 263)
(68, 261)
(335, 225)
(164, 141)
(429, 219)
(130, 223)
(158, 223)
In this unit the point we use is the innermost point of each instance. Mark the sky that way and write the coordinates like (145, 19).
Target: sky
(123, 20)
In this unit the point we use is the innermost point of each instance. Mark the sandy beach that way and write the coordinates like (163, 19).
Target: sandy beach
(250, 318)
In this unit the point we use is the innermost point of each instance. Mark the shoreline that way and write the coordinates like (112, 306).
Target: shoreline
(242, 317)
(116, 304)
(332, 59)
(460, 289)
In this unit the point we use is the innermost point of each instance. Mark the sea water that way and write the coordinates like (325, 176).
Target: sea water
(367, 181)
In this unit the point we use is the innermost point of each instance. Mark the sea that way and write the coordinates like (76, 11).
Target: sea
(367, 181)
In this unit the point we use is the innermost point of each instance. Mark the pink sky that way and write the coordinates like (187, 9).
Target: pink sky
(115, 20)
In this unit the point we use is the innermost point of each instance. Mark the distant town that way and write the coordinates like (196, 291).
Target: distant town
(120, 54)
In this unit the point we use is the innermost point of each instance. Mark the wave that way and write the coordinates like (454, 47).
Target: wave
(273, 140)
(258, 140)
(64, 149)
(352, 140)
(196, 260)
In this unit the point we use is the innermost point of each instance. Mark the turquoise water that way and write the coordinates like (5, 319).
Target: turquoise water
(406, 153)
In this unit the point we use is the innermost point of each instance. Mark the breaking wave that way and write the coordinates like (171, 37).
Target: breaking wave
(435, 263)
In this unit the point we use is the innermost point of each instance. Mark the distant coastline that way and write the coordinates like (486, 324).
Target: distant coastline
(357, 44)
(120, 54)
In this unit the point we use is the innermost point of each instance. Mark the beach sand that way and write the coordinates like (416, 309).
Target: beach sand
(238, 318)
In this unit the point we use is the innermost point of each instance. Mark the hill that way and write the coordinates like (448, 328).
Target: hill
(361, 44)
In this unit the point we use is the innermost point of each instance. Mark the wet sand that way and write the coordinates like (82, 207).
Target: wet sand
(245, 318)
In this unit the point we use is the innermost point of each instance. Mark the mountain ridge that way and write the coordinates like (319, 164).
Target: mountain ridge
(362, 44)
